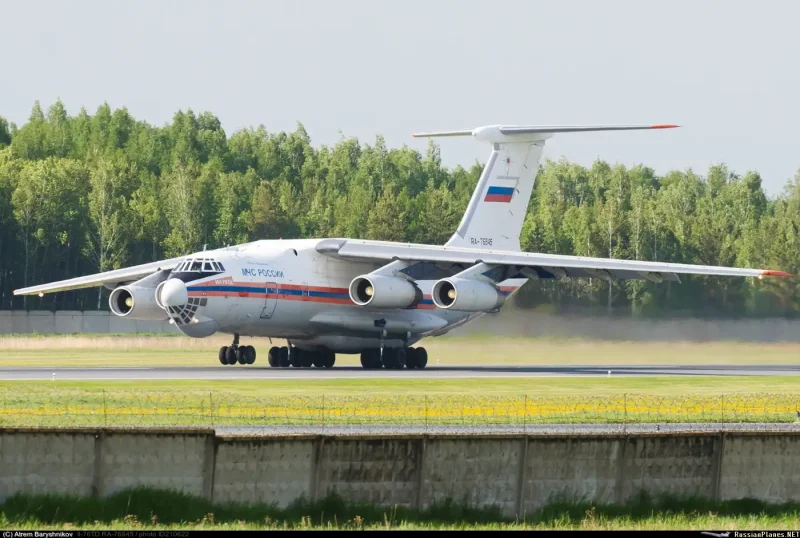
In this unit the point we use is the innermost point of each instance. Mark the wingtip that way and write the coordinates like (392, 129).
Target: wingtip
(664, 126)
(776, 273)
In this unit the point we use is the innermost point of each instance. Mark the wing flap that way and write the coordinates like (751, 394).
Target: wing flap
(116, 276)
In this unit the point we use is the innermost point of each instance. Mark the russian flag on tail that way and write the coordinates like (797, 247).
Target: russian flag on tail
(499, 194)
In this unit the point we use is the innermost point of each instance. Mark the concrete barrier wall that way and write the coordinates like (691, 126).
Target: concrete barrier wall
(509, 321)
(47, 462)
(517, 474)
(74, 322)
(158, 460)
(763, 466)
(274, 470)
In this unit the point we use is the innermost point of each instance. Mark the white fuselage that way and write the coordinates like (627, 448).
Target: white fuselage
(286, 289)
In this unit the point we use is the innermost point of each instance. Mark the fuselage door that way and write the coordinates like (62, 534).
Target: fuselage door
(271, 300)
(305, 291)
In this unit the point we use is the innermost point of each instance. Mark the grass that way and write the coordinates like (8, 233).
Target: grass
(466, 402)
(555, 387)
(149, 509)
(507, 400)
(126, 350)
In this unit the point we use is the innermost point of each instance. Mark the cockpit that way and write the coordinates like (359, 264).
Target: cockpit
(199, 265)
(192, 269)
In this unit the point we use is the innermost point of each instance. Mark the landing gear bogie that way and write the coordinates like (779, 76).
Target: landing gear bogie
(395, 358)
(283, 357)
(236, 354)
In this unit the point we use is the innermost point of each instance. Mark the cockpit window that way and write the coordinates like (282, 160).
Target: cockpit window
(202, 265)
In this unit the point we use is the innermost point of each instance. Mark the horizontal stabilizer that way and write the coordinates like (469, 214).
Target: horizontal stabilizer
(510, 130)
(509, 133)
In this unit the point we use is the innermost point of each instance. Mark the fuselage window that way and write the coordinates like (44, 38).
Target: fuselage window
(196, 265)
(221, 268)
(215, 265)
(207, 267)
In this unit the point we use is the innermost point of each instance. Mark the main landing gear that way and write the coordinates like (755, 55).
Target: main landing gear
(283, 357)
(395, 358)
(233, 354)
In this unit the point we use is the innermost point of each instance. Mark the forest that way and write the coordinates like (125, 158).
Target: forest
(88, 193)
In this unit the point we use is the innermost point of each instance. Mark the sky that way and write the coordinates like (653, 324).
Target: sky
(726, 71)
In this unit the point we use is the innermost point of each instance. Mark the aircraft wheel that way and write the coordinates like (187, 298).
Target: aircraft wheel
(370, 359)
(422, 357)
(400, 357)
(318, 359)
(241, 354)
(273, 357)
(411, 358)
(250, 354)
(307, 358)
(223, 355)
(283, 357)
(392, 359)
(330, 359)
(230, 356)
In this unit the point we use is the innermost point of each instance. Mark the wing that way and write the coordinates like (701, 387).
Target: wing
(531, 265)
(108, 279)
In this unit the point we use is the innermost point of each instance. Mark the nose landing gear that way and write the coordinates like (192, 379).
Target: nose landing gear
(233, 354)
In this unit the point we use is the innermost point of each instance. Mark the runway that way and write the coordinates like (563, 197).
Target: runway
(352, 372)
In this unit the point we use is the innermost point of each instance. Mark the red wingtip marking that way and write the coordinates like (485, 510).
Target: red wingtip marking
(776, 273)
(664, 126)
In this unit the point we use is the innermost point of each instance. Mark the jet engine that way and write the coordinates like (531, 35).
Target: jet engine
(137, 302)
(384, 292)
(466, 295)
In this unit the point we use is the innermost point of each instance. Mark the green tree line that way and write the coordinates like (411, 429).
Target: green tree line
(88, 193)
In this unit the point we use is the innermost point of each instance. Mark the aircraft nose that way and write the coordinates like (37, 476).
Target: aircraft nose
(174, 293)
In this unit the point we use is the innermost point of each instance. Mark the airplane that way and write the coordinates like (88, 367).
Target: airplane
(373, 298)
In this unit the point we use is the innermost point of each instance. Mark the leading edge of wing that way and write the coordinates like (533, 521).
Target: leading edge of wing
(98, 279)
(379, 250)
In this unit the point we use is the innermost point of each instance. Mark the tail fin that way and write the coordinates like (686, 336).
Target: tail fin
(496, 211)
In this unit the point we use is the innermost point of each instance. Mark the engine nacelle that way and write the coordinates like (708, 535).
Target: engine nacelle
(466, 295)
(384, 292)
(136, 302)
